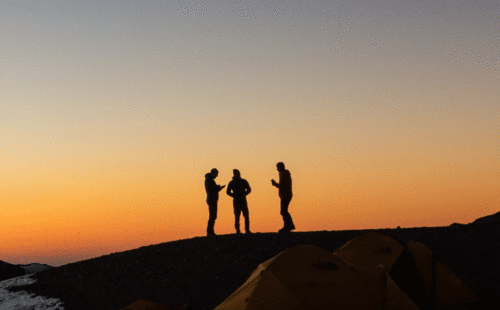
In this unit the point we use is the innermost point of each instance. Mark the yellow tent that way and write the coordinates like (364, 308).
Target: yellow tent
(371, 249)
(416, 270)
(308, 277)
(372, 271)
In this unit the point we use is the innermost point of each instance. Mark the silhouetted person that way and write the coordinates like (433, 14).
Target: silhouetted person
(212, 198)
(285, 192)
(239, 188)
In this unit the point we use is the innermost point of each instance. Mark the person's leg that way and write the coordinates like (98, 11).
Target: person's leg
(212, 209)
(237, 212)
(287, 218)
(246, 215)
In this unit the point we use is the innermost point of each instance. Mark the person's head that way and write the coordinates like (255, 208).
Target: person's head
(236, 173)
(280, 166)
(214, 172)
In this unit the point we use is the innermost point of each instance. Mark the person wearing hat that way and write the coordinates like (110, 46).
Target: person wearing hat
(212, 190)
(285, 193)
(239, 188)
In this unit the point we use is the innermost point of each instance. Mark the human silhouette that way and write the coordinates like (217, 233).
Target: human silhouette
(285, 193)
(212, 190)
(239, 188)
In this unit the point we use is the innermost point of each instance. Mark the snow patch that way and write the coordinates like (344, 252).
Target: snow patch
(24, 300)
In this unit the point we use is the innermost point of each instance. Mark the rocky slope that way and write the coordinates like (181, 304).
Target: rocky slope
(204, 271)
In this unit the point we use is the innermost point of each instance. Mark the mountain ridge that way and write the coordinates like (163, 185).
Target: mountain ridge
(204, 271)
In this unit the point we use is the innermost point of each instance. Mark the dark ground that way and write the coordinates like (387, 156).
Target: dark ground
(204, 271)
(8, 271)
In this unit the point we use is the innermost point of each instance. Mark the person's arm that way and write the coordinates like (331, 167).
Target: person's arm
(229, 188)
(247, 189)
(275, 184)
(221, 187)
(211, 186)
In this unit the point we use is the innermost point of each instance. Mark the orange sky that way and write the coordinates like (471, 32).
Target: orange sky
(386, 114)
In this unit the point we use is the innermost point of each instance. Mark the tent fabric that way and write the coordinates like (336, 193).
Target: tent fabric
(308, 277)
(143, 304)
(429, 283)
(371, 249)
(441, 284)
(451, 292)
(371, 271)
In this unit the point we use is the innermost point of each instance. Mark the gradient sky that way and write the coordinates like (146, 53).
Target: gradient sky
(385, 112)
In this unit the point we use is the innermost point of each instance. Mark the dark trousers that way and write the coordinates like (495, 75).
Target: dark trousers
(287, 218)
(241, 207)
(212, 210)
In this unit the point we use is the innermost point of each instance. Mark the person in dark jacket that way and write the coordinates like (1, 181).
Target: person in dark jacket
(285, 193)
(212, 190)
(239, 188)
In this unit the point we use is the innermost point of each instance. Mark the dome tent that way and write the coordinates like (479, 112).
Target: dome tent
(418, 271)
(371, 271)
(308, 277)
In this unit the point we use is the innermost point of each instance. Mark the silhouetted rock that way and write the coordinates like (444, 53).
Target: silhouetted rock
(8, 271)
(35, 267)
(494, 218)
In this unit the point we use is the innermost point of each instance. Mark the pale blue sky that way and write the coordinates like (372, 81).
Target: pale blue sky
(129, 67)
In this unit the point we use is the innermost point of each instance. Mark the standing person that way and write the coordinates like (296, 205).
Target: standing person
(212, 190)
(285, 193)
(239, 188)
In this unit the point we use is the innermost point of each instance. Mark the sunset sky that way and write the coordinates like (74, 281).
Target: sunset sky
(386, 113)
